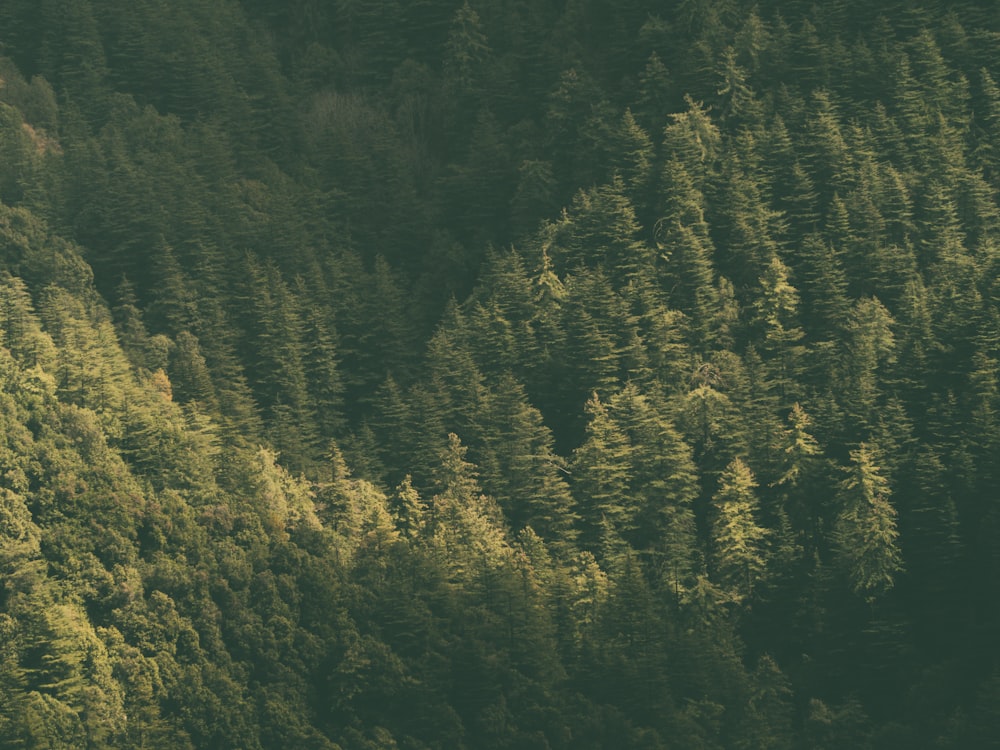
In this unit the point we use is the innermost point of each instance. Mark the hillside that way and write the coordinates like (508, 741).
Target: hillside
(499, 374)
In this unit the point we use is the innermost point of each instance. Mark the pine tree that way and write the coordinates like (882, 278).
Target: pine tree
(823, 284)
(655, 92)
(827, 150)
(930, 69)
(279, 374)
(534, 197)
(526, 477)
(466, 527)
(800, 479)
(457, 383)
(663, 484)
(20, 559)
(866, 527)
(738, 542)
(777, 313)
(601, 473)
(602, 229)
(467, 53)
(190, 377)
(662, 332)
(23, 337)
(632, 665)
(931, 540)
(408, 509)
(739, 105)
(690, 267)
(694, 141)
(871, 346)
(320, 366)
(747, 227)
(632, 158)
(481, 186)
(575, 116)
(592, 353)
(394, 427)
(709, 417)
(800, 448)
(988, 120)
(768, 720)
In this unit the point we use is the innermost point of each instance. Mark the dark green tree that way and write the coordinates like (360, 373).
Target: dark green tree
(601, 475)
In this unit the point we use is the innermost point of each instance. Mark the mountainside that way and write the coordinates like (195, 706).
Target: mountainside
(499, 374)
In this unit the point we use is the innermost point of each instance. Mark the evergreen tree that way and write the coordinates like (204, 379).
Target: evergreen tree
(777, 312)
(632, 158)
(533, 198)
(602, 229)
(527, 476)
(791, 265)
(466, 56)
(664, 482)
(694, 141)
(823, 284)
(866, 527)
(738, 542)
(601, 472)
(799, 470)
(690, 263)
(871, 346)
(655, 91)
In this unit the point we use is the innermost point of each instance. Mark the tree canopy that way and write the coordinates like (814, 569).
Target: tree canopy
(486, 374)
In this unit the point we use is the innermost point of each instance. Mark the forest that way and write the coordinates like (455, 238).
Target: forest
(499, 374)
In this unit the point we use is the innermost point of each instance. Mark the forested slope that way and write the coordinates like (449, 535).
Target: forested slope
(499, 374)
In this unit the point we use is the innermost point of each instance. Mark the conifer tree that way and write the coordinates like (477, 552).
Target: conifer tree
(709, 417)
(632, 158)
(602, 229)
(871, 346)
(931, 540)
(988, 119)
(769, 715)
(601, 473)
(739, 105)
(591, 353)
(526, 477)
(408, 509)
(866, 527)
(655, 90)
(466, 526)
(279, 374)
(828, 152)
(693, 140)
(466, 55)
(777, 313)
(23, 337)
(456, 379)
(823, 284)
(663, 482)
(800, 448)
(738, 541)
(747, 227)
(690, 267)
(534, 197)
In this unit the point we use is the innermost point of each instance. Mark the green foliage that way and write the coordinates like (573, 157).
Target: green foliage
(866, 527)
(738, 542)
(255, 271)
(602, 473)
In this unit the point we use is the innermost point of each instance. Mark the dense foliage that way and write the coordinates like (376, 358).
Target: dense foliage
(501, 374)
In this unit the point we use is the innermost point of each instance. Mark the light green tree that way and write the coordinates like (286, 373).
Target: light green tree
(865, 531)
(738, 542)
